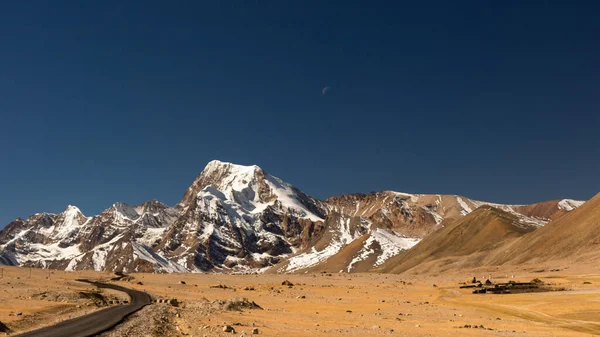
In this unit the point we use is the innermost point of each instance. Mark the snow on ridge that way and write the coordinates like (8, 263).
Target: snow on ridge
(287, 196)
(70, 221)
(42, 253)
(239, 183)
(391, 244)
(216, 164)
(412, 197)
(465, 208)
(125, 211)
(309, 259)
(306, 260)
(436, 217)
(72, 209)
(152, 235)
(144, 253)
(363, 253)
(569, 204)
(240, 186)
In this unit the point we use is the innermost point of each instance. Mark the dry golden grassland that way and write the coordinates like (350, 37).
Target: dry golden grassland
(329, 304)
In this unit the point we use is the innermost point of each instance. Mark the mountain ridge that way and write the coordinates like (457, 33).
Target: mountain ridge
(236, 218)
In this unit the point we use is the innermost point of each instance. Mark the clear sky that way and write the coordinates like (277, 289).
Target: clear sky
(105, 101)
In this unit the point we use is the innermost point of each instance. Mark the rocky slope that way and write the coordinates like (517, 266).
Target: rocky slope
(492, 237)
(119, 238)
(237, 218)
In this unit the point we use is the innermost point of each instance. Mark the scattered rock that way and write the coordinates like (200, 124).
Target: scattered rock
(349, 311)
(19, 314)
(182, 282)
(469, 326)
(249, 288)
(255, 331)
(301, 296)
(228, 328)
(587, 282)
(220, 286)
(236, 304)
(287, 283)
(140, 283)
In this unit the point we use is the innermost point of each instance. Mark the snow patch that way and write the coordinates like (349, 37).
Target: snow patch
(306, 260)
(569, 204)
(145, 253)
(391, 244)
(363, 253)
(152, 235)
(465, 208)
(287, 196)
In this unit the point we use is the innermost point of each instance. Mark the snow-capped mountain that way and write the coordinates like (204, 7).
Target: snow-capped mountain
(236, 218)
(241, 218)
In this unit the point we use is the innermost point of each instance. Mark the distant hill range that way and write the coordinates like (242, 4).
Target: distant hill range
(240, 219)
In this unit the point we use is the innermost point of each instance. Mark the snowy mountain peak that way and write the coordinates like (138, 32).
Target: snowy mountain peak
(253, 190)
(237, 182)
(72, 210)
(67, 222)
(569, 204)
(217, 165)
(122, 209)
(227, 178)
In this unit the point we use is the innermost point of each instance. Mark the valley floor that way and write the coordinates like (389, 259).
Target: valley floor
(317, 304)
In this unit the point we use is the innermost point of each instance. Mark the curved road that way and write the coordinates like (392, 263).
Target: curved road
(96, 322)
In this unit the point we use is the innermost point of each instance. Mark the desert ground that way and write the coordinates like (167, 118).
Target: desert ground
(323, 304)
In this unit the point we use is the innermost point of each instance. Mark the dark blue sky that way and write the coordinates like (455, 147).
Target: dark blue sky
(106, 101)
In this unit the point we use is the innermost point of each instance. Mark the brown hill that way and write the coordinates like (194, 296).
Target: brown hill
(543, 210)
(462, 243)
(574, 236)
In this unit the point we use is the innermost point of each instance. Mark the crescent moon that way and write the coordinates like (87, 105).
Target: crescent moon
(324, 91)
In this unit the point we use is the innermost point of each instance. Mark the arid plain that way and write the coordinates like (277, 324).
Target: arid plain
(320, 304)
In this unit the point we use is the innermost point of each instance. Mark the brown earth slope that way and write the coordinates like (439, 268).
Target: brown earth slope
(468, 239)
(574, 236)
(491, 237)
